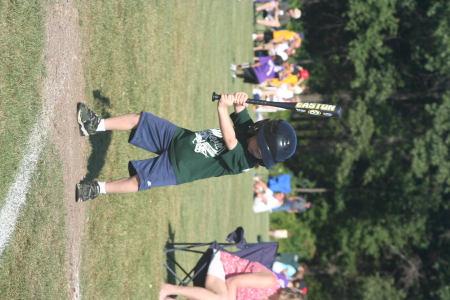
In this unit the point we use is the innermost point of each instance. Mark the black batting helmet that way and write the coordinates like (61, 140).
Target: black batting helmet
(277, 141)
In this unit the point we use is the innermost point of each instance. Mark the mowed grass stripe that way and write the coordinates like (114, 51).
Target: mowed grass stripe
(17, 194)
(34, 265)
(165, 57)
(21, 72)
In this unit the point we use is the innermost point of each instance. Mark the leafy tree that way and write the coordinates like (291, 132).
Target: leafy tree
(302, 241)
(377, 287)
(384, 220)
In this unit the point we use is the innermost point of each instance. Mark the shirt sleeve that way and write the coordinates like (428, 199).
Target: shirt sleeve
(290, 272)
(284, 6)
(235, 160)
(268, 193)
(241, 119)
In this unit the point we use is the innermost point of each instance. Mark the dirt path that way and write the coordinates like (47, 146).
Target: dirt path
(63, 88)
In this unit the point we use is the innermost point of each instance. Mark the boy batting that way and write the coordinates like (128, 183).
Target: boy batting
(237, 146)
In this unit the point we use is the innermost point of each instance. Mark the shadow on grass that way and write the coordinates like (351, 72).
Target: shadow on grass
(170, 257)
(100, 142)
(198, 272)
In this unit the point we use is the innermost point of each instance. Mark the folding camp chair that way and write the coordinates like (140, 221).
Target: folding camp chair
(263, 253)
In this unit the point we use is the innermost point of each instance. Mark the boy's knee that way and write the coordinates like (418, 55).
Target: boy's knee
(136, 179)
(137, 119)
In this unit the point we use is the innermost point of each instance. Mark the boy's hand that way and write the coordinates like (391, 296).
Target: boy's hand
(237, 99)
(240, 98)
(226, 100)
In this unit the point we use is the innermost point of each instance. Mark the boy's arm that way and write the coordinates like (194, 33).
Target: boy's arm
(225, 124)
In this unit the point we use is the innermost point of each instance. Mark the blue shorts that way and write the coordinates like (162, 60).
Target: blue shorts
(154, 134)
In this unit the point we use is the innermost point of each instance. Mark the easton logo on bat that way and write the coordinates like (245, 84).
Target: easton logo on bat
(315, 106)
(314, 112)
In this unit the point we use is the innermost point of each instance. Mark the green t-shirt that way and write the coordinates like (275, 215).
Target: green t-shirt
(204, 154)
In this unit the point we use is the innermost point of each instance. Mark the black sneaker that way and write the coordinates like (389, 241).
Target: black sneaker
(87, 190)
(87, 119)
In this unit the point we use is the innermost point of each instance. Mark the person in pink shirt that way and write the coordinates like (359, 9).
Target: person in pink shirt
(233, 278)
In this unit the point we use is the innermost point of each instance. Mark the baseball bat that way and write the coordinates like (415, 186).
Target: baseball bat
(314, 109)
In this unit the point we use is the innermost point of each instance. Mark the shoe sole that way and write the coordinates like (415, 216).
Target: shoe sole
(79, 198)
(78, 188)
(80, 122)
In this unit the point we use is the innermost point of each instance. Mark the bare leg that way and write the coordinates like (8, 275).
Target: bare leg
(123, 122)
(217, 286)
(269, 23)
(123, 186)
(215, 289)
(268, 46)
(259, 36)
(267, 5)
(269, 93)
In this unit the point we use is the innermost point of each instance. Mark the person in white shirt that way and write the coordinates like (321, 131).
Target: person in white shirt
(265, 199)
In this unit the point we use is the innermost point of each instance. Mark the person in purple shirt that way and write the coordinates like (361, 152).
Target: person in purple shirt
(266, 67)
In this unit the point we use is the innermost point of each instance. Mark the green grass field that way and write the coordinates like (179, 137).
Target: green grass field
(21, 73)
(34, 266)
(165, 57)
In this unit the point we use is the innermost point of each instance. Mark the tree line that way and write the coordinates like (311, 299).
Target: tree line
(381, 225)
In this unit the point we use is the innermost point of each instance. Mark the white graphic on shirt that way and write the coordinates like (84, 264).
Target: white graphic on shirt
(246, 170)
(271, 65)
(202, 142)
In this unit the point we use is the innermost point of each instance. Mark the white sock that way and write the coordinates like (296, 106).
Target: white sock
(257, 91)
(101, 125)
(102, 187)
